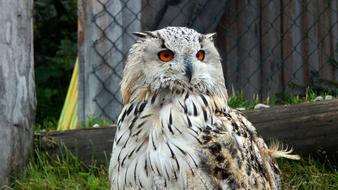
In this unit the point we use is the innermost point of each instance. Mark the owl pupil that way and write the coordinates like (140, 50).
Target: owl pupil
(166, 55)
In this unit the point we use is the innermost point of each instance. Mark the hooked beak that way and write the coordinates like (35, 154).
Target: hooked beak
(188, 68)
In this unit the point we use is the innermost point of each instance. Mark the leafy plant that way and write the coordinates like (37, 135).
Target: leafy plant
(55, 37)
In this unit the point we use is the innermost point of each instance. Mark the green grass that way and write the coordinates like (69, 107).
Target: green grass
(308, 174)
(65, 172)
(102, 122)
(69, 173)
(239, 101)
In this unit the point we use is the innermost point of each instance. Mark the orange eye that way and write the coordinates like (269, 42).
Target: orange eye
(200, 55)
(166, 55)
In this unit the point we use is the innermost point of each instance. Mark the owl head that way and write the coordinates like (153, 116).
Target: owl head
(172, 59)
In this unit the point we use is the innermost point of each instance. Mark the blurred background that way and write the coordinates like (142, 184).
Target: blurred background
(271, 49)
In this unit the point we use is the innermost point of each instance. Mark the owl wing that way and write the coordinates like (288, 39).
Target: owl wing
(234, 154)
(231, 154)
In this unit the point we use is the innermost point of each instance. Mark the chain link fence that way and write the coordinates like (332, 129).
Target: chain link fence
(268, 47)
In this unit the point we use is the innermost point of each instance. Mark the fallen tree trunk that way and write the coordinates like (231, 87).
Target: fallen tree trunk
(306, 127)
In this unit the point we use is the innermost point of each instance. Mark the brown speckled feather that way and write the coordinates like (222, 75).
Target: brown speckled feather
(187, 141)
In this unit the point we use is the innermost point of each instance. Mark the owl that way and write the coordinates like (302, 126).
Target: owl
(176, 130)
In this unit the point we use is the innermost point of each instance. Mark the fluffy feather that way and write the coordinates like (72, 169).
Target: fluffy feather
(177, 133)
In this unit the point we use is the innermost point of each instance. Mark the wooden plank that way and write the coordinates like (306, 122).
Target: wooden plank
(306, 127)
(227, 35)
(239, 44)
(152, 13)
(249, 47)
(292, 45)
(207, 15)
(334, 35)
(178, 14)
(105, 29)
(202, 15)
(88, 86)
(17, 87)
(325, 68)
(321, 35)
(311, 41)
(271, 48)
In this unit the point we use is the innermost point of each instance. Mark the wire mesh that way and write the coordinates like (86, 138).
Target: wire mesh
(268, 47)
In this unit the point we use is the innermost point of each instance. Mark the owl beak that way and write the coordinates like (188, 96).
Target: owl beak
(188, 68)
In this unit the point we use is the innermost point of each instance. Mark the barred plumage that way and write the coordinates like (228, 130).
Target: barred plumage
(177, 131)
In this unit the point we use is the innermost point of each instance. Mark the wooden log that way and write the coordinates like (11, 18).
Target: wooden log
(17, 86)
(305, 127)
(90, 144)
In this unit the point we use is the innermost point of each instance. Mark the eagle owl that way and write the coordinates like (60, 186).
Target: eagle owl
(176, 130)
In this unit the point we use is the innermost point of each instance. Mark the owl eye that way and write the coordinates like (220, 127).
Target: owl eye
(200, 55)
(166, 55)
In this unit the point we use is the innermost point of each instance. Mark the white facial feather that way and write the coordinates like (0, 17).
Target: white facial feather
(143, 61)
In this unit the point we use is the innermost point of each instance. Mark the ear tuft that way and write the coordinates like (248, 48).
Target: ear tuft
(145, 34)
(140, 34)
(210, 36)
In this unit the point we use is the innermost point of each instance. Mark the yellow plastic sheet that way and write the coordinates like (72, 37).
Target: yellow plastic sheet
(68, 118)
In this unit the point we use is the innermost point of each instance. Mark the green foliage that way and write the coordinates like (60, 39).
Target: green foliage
(308, 174)
(239, 101)
(46, 124)
(309, 96)
(102, 122)
(55, 37)
(65, 172)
